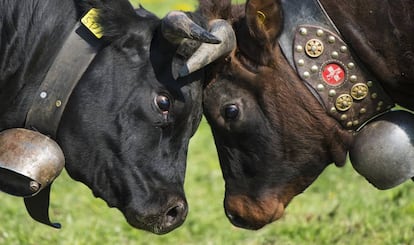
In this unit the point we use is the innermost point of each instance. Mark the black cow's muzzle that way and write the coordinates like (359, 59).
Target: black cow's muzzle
(161, 220)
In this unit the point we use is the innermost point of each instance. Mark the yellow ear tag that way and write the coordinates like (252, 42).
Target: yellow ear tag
(261, 16)
(90, 22)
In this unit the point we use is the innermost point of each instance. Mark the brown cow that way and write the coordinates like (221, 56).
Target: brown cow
(273, 135)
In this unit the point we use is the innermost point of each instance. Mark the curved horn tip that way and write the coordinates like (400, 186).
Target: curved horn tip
(176, 25)
(207, 53)
(207, 37)
(184, 71)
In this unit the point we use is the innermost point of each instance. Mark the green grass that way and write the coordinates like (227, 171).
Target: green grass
(161, 7)
(339, 208)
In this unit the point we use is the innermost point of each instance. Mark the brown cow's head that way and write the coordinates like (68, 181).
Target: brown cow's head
(273, 137)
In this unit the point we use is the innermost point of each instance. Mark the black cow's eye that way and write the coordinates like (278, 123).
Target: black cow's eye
(163, 103)
(231, 112)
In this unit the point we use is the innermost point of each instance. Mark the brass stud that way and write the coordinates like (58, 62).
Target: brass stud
(331, 39)
(351, 65)
(314, 68)
(349, 124)
(374, 95)
(299, 49)
(370, 83)
(332, 92)
(306, 74)
(320, 87)
(359, 91)
(381, 103)
(58, 103)
(303, 31)
(343, 49)
(335, 55)
(301, 62)
(343, 102)
(333, 109)
(353, 78)
(355, 123)
(319, 33)
(344, 117)
(362, 111)
(314, 48)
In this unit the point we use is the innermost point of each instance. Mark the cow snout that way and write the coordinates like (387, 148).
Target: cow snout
(166, 217)
(175, 215)
(250, 213)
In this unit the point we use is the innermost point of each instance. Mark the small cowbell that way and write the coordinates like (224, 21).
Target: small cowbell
(383, 150)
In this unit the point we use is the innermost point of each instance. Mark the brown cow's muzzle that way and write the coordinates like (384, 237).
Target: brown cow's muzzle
(251, 213)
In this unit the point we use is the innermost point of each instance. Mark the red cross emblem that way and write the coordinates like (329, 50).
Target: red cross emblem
(333, 74)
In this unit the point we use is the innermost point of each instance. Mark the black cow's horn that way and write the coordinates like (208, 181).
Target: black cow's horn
(176, 26)
(207, 52)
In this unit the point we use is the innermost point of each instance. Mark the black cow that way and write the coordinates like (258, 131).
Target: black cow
(126, 126)
(279, 118)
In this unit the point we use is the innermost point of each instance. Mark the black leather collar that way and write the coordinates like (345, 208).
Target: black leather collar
(50, 100)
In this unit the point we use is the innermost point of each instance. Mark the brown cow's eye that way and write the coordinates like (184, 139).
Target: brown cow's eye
(231, 112)
(163, 103)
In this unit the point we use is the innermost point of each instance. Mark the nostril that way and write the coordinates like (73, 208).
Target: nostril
(236, 220)
(172, 214)
(176, 214)
(241, 222)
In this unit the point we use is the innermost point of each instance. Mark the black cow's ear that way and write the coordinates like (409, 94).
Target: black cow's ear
(264, 19)
(119, 18)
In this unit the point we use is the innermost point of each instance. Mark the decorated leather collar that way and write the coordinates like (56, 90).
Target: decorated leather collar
(314, 48)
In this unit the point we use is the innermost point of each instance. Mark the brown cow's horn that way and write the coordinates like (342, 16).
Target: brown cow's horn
(208, 53)
(177, 25)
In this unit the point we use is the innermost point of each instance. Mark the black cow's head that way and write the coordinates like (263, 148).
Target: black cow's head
(127, 125)
(273, 137)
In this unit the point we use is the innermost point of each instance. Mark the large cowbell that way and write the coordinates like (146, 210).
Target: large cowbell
(383, 150)
(29, 161)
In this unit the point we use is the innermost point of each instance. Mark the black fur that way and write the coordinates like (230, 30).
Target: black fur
(115, 139)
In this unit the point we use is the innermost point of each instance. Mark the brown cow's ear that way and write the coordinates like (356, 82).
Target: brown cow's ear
(264, 19)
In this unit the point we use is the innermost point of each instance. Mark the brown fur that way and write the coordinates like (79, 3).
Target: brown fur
(283, 138)
(381, 34)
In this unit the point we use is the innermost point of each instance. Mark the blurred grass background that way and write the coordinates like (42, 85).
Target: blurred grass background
(339, 208)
